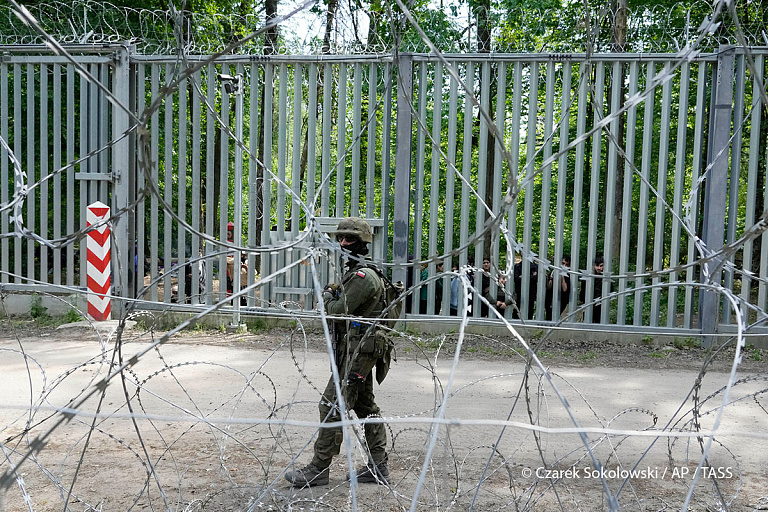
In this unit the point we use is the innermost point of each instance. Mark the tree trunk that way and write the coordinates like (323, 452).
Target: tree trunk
(329, 19)
(270, 48)
(482, 14)
(618, 45)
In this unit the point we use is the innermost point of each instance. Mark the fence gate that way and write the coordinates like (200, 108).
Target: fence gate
(65, 144)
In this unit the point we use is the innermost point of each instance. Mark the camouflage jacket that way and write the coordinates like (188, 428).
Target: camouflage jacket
(359, 293)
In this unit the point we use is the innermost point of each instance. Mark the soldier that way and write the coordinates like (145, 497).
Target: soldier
(357, 349)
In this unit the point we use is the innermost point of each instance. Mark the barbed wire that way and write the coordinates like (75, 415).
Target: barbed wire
(520, 29)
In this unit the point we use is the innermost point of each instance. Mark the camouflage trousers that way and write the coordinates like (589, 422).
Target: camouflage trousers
(359, 398)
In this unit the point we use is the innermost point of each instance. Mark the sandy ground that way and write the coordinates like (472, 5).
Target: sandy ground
(210, 421)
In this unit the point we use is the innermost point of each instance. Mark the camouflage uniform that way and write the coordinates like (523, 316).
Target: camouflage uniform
(357, 350)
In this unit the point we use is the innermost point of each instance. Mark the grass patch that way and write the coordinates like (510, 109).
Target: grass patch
(658, 354)
(588, 355)
(684, 343)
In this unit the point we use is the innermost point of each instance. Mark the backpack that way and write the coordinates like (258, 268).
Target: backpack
(392, 303)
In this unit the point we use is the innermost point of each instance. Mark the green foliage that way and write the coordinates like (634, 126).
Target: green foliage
(256, 324)
(685, 343)
(756, 355)
(72, 316)
(37, 310)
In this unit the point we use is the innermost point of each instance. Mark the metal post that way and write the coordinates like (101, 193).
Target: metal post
(716, 189)
(121, 157)
(402, 207)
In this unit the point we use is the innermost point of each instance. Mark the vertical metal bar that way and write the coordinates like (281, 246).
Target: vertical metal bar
(253, 140)
(661, 197)
(71, 205)
(752, 166)
(266, 260)
(680, 171)
(386, 157)
(546, 190)
(312, 166)
(594, 192)
(562, 185)
(418, 206)
(224, 217)
(141, 235)
(154, 217)
(298, 74)
(58, 193)
(237, 214)
(92, 123)
(357, 133)
(4, 245)
(645, 171)
(466, 162)
(716, 190)
(44, 171)
(18, 125)
(181, 207)
(450, 184)
(210, 174)
(195, 293)
(692, 205)
(735, 182)
(434, 179)
(326, 141)
(480, 185)
(626, 217)
(530, 170)
(121, 155)
(282, 127)
(168, 188)
(514, 171)
(102, 136)
(482, 177)
(585, 71)
(341, 143)
(402, 206)
(29, 222)
(610, 183)
(85, 166)
(498, 161)
(370, 180)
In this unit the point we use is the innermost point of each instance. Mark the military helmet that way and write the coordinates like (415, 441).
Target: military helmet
(357, 227)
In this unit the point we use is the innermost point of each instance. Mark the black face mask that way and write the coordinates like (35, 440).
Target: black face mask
(358, 248)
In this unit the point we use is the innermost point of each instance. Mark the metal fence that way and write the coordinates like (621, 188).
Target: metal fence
(643, 159)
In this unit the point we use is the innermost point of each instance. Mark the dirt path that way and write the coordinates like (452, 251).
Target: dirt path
(220, 416)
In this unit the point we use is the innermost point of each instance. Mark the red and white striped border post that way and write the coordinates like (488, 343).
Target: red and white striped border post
(98, 268)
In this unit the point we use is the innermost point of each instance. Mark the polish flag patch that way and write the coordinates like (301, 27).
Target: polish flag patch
(360, 273)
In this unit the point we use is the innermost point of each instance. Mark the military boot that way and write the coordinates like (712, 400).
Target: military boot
(308, 476)
(372, 473)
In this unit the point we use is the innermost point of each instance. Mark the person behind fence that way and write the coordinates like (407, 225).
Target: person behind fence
(231, 266)
(564, 288)
(597, 278)
(485, 284)
(456, 289)
(533, 273)
(424, 292)
(358, 348)
(500, 300)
